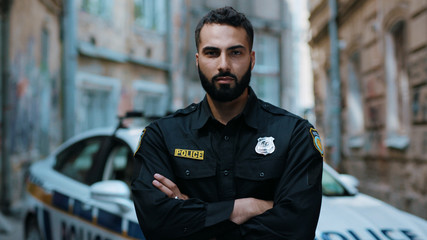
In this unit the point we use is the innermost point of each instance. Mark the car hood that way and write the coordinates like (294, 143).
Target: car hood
(362, 217)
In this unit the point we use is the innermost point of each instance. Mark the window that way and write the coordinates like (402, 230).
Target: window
(151, 14)
(44, 63)
(101, 8)
(397, 88)
(97, 101)
(355, 122)
(331, 187)
(77, 160)
(119, 164)
(150, 98)
(266, 74)
(95, 159)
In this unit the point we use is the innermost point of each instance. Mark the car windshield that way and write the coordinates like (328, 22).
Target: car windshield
(331, 187)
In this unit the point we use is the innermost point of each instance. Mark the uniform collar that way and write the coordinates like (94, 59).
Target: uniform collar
(249, 113)
(203, 115)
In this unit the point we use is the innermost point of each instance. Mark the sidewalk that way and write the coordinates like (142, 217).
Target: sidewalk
(11, 227)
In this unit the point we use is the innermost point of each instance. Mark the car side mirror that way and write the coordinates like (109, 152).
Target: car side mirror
(350, 181)
(112, 191)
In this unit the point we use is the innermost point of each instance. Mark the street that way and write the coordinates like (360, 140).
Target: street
(11, 227)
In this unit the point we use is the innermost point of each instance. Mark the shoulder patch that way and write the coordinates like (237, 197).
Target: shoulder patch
(316, 140)
(140, 141)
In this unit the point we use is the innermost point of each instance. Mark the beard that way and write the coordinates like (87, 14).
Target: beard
(225, 93)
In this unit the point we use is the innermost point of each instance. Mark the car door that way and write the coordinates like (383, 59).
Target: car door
(120, 166)
(75, 213)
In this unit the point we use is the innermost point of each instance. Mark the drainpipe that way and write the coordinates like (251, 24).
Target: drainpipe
(169, 52)
(5, 188)
(69, 68)
(336, 84)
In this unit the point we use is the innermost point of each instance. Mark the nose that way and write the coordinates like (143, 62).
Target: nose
(224, 64)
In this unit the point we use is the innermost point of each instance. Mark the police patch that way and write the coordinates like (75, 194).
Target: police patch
(140, 140)
(192, 154)
(316, 140)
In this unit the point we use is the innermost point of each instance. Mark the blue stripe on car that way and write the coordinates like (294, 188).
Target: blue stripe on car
(134, 231)
(46, 220)
(110, 221)
(60, 200)
(82, 211)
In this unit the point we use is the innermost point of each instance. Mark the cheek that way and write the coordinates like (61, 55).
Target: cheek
(207, 67)
(241, 68)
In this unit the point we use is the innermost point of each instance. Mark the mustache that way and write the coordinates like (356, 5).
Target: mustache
(224, 74)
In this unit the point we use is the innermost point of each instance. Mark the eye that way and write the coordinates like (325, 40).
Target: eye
(211, 53)
(236, 52)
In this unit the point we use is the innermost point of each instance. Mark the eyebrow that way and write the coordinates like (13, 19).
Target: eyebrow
(235, 47)
(207, 48)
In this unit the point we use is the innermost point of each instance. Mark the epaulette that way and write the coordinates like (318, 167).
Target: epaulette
(272, 109)
(185, 111)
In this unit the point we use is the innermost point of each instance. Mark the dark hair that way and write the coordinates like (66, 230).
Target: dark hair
(226, 16)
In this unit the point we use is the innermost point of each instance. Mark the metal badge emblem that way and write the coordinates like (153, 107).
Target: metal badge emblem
(265, 145)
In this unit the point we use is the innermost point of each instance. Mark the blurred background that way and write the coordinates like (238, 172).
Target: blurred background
(356, 69)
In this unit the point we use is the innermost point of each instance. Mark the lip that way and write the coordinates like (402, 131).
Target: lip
(224, 79)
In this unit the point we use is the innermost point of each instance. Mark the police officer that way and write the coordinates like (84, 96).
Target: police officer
(231, 166)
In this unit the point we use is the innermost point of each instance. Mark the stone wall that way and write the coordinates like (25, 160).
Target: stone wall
(391, 163)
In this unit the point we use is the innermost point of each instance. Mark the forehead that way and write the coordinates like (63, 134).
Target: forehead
(222, 36)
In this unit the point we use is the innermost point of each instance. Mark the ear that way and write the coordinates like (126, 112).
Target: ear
(197, 59)
(252, 60)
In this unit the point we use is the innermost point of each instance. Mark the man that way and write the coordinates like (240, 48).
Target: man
(231, 166)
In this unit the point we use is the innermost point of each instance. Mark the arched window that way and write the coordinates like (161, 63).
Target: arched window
(397, 118)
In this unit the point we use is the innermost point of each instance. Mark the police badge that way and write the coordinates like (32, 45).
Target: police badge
(265, 145)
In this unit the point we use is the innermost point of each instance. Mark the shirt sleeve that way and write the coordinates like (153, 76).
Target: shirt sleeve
(161, 217)
(298, 196)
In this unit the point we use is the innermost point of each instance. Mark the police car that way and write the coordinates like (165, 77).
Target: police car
(81, 191)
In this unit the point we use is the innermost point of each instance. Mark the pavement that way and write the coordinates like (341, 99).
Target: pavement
(11, 226)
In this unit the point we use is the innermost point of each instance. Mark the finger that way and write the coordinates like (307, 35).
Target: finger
(183, 196)
(167, 183)
(163, 188)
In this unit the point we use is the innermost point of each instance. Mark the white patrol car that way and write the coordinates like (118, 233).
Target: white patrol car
(81, 191)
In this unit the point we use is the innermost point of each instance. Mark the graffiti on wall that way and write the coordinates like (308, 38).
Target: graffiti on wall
(33, 98)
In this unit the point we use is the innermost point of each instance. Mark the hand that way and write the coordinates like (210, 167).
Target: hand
(247, 208)
(168, 187)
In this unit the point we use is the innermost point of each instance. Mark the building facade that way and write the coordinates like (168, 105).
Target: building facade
(72, 65)
(30, 92)
(382, 72)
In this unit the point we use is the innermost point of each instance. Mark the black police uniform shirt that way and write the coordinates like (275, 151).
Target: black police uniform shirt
(265, 153)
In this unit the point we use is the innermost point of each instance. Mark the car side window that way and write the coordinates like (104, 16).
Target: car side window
(76, 160)
(119, 164)
(330, 186)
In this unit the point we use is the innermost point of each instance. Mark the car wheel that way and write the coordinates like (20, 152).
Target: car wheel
(32, 231)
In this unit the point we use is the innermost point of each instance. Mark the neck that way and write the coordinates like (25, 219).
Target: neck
(225, 111)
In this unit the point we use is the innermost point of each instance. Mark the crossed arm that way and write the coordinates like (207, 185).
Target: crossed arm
(244, 208)
(297, 198)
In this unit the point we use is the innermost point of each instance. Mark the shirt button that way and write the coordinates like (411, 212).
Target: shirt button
(261, 174)
(187, 172)
(226, 172)
(226, 138)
